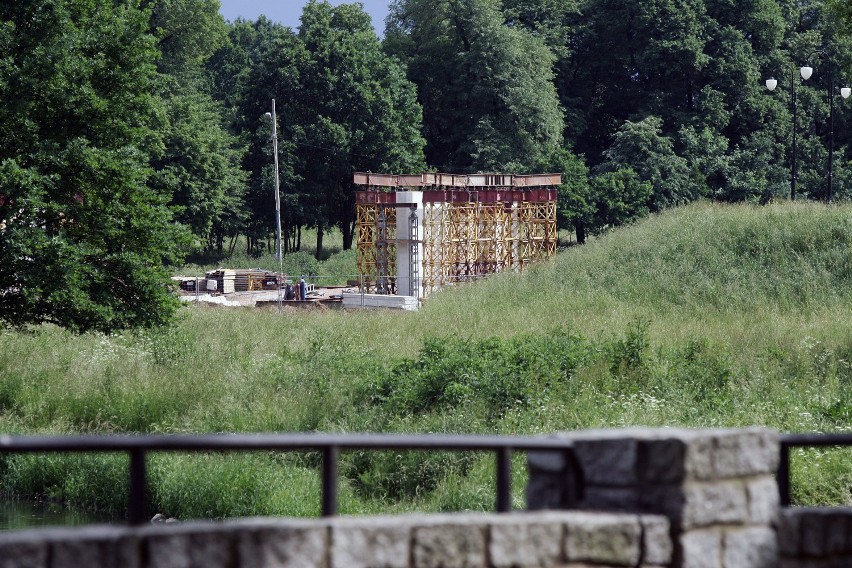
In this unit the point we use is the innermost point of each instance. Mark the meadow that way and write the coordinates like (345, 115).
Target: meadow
(704, 316)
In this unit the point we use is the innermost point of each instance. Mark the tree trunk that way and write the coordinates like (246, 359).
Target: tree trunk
(319, 242)
(581, 232)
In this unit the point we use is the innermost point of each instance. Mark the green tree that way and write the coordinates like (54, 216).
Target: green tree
(620, 197)
(199, 161)
(486, 88)
(358, 112)
(575, 203)
(84, 237)
(641, 147)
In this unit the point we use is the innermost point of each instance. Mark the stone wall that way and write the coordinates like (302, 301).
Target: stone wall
(642, 498)
(716, 487)
(816, 537)
(518, 540)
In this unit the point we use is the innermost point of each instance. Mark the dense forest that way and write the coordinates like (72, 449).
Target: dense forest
(133, 132)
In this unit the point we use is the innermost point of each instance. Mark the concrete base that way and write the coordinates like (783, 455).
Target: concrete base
(356, 300)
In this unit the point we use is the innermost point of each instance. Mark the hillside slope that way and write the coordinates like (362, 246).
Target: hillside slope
(691, 266)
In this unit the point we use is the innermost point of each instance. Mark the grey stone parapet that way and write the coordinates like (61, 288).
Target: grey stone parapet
(813, 537)
(716, 487)
(518, 540)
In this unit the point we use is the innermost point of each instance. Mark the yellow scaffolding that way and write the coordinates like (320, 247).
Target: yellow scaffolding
(465, 233)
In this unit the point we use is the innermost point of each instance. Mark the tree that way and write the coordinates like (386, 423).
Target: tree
(358, 112)
(642, 148)
(575, 203)
(620, 197)
(486, 88)
(198, 161)
(84, 238)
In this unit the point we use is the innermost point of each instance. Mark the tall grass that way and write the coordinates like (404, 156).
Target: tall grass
(710, 316)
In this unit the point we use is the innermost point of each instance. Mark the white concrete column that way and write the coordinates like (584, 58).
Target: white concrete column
(413, 201)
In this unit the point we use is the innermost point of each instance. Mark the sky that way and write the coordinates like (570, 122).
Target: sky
(287, 12)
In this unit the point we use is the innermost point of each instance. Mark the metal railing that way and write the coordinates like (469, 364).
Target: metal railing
(137, 447)
(329, 444)
(803, 441)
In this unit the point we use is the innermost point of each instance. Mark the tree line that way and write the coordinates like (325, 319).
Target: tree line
(134, 131)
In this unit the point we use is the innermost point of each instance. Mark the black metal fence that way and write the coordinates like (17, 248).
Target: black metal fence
(329, 444)
(803, 441)
(332, 444)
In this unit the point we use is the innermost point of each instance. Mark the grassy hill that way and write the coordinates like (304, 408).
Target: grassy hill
(703, 316)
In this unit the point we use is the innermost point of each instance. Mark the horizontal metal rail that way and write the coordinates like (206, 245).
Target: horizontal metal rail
(138, 446)
(803, 441)
(330, 444)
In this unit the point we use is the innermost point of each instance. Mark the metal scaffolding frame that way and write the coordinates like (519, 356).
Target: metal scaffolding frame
(472, 226)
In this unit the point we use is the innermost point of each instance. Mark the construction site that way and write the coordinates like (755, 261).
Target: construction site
(415, 235)
(419, 233)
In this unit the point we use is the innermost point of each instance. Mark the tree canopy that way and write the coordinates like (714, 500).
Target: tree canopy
(132, 132)
(84, 235)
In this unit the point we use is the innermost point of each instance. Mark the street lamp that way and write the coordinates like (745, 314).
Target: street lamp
(806, 72)
(771, 83)
(274, 120)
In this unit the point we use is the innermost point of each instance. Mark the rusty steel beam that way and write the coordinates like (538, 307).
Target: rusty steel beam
(457, 181)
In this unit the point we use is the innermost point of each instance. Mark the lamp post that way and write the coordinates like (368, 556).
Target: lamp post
(279, 255)
(771, 83)
(806, 73)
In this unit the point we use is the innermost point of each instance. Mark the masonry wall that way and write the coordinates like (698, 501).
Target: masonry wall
(815, 537)
(519, 540)
(716, 487)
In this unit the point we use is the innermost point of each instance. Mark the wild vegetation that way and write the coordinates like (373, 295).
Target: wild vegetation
(708, 315)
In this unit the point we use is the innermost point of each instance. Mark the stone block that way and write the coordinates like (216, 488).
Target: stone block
(282, 545)
(604, 539)
(522, 541)
(168, 550)
(18, 552)
(763, 500)
(699, 455)
(789, 535)
(449, 545)
(210, 549)
(701, 549)
(707, 503)
(739, 453)
(370, 543)
(753, 547)
(657, 545)
(75, 553)
(814, 538)
(667, 500)
(554, 480)
(611, 499)
(662, 461)
(608, 461)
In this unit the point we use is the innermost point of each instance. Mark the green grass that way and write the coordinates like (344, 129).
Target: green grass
(706, 316)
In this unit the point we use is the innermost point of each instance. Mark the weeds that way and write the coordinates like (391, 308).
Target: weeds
(711, 316)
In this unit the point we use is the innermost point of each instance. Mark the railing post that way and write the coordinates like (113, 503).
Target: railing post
(784, 475)
(504, 480)
(136, 499)
(329, 480)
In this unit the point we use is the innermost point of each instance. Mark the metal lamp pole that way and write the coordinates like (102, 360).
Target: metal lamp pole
(844, 92)
(277, 201)
(771, 83)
